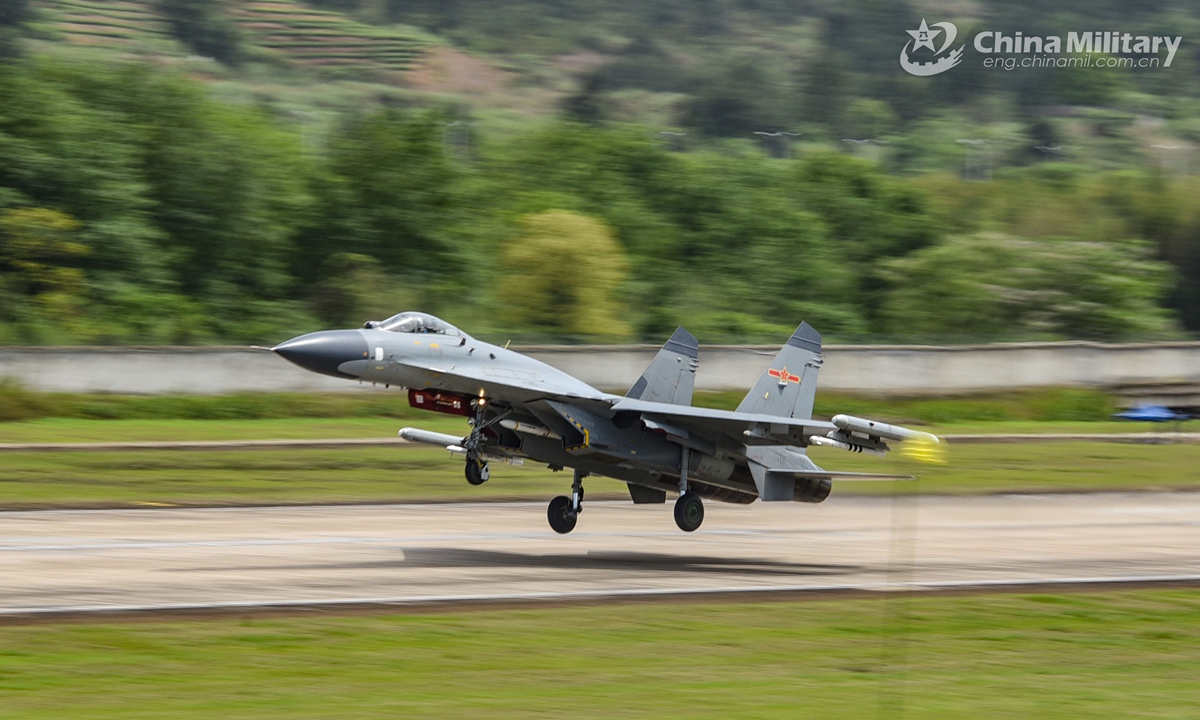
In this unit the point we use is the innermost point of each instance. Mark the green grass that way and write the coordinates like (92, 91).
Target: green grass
(30, 479)
(18, 404)
(1098, 655)
(69, 429)
(39, 479)
(1052, 405)
(1031, 467)
(51, 430)
(264, 476)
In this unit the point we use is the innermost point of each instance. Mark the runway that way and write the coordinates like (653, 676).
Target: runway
(161, 559)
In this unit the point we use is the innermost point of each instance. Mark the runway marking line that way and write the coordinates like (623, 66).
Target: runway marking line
(674, 594)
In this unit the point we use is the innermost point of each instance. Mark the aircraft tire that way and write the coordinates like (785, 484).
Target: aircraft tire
(689, 512)
(477, 472)
(561, 516)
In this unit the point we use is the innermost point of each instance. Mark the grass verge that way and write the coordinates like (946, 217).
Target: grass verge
(1056, 405)
(1112, 654)
(73, 430)
(32, 479)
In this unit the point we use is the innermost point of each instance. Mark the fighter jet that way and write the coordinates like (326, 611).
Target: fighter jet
(519, 409)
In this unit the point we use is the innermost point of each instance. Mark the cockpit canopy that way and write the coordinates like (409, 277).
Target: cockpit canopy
(415, 322)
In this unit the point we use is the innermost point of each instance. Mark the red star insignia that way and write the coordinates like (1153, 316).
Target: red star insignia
(784, 376)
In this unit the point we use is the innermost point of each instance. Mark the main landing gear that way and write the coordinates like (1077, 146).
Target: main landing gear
(689, 512)
(563, 511)
(689, 509)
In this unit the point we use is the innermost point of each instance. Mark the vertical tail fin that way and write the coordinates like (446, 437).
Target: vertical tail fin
(789, 387)
(671, 376)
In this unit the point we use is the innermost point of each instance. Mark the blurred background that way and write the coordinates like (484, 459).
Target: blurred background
(213, 172)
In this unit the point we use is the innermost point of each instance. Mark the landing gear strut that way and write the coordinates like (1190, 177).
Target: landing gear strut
(689, 509)
(478, 471)
(563, 511)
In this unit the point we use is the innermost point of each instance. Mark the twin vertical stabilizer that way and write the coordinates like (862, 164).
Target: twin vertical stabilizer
(671, 376)
(789, 386)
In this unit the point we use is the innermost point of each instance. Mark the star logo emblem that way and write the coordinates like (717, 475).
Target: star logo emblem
(784, 376)
(924, 36)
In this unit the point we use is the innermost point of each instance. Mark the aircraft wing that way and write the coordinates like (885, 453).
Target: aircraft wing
(841, 476)
(516, 385)
(749, 428)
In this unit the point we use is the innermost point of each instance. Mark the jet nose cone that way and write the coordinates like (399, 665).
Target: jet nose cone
(323, 352)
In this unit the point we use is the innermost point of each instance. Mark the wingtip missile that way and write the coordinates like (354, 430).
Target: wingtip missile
(849, 423)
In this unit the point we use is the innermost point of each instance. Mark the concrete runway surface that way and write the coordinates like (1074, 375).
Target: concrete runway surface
(146, 560)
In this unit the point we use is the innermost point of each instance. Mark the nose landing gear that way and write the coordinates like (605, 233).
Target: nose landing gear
(478, 471)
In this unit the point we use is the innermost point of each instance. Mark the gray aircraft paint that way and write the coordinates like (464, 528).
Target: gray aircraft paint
(641, 438)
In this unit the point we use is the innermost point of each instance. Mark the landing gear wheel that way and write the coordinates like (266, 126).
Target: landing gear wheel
(478, 471)
(561, 515)
(689, 512)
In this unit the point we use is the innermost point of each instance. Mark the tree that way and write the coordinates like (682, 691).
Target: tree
(565, 273)
(1001, 285)
(205, 27)
(741, 96)
(40, 256)
(354, 288)
(386, 190)
(14, 12)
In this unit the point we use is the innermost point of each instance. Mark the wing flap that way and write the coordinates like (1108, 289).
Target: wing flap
(743, 427)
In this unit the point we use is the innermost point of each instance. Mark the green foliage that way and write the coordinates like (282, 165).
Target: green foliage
(564, 273)
(740, 96)
(204, 26)
(386, 190)
(870, 119)
(1047, 405)
(1090, 85)
(14, 12)
(185, 208)
(36, 249)
(353, 288)
(1002, 285)
(1062, 200)
(17, 403)
(134, 207)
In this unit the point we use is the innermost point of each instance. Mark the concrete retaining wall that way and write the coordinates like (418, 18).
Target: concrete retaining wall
(867, 369)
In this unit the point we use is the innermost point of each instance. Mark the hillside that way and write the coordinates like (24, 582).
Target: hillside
(194, 171)
(715, 69)
(287, 30)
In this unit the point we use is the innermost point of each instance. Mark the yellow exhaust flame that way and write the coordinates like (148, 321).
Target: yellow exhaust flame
(924, 450)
